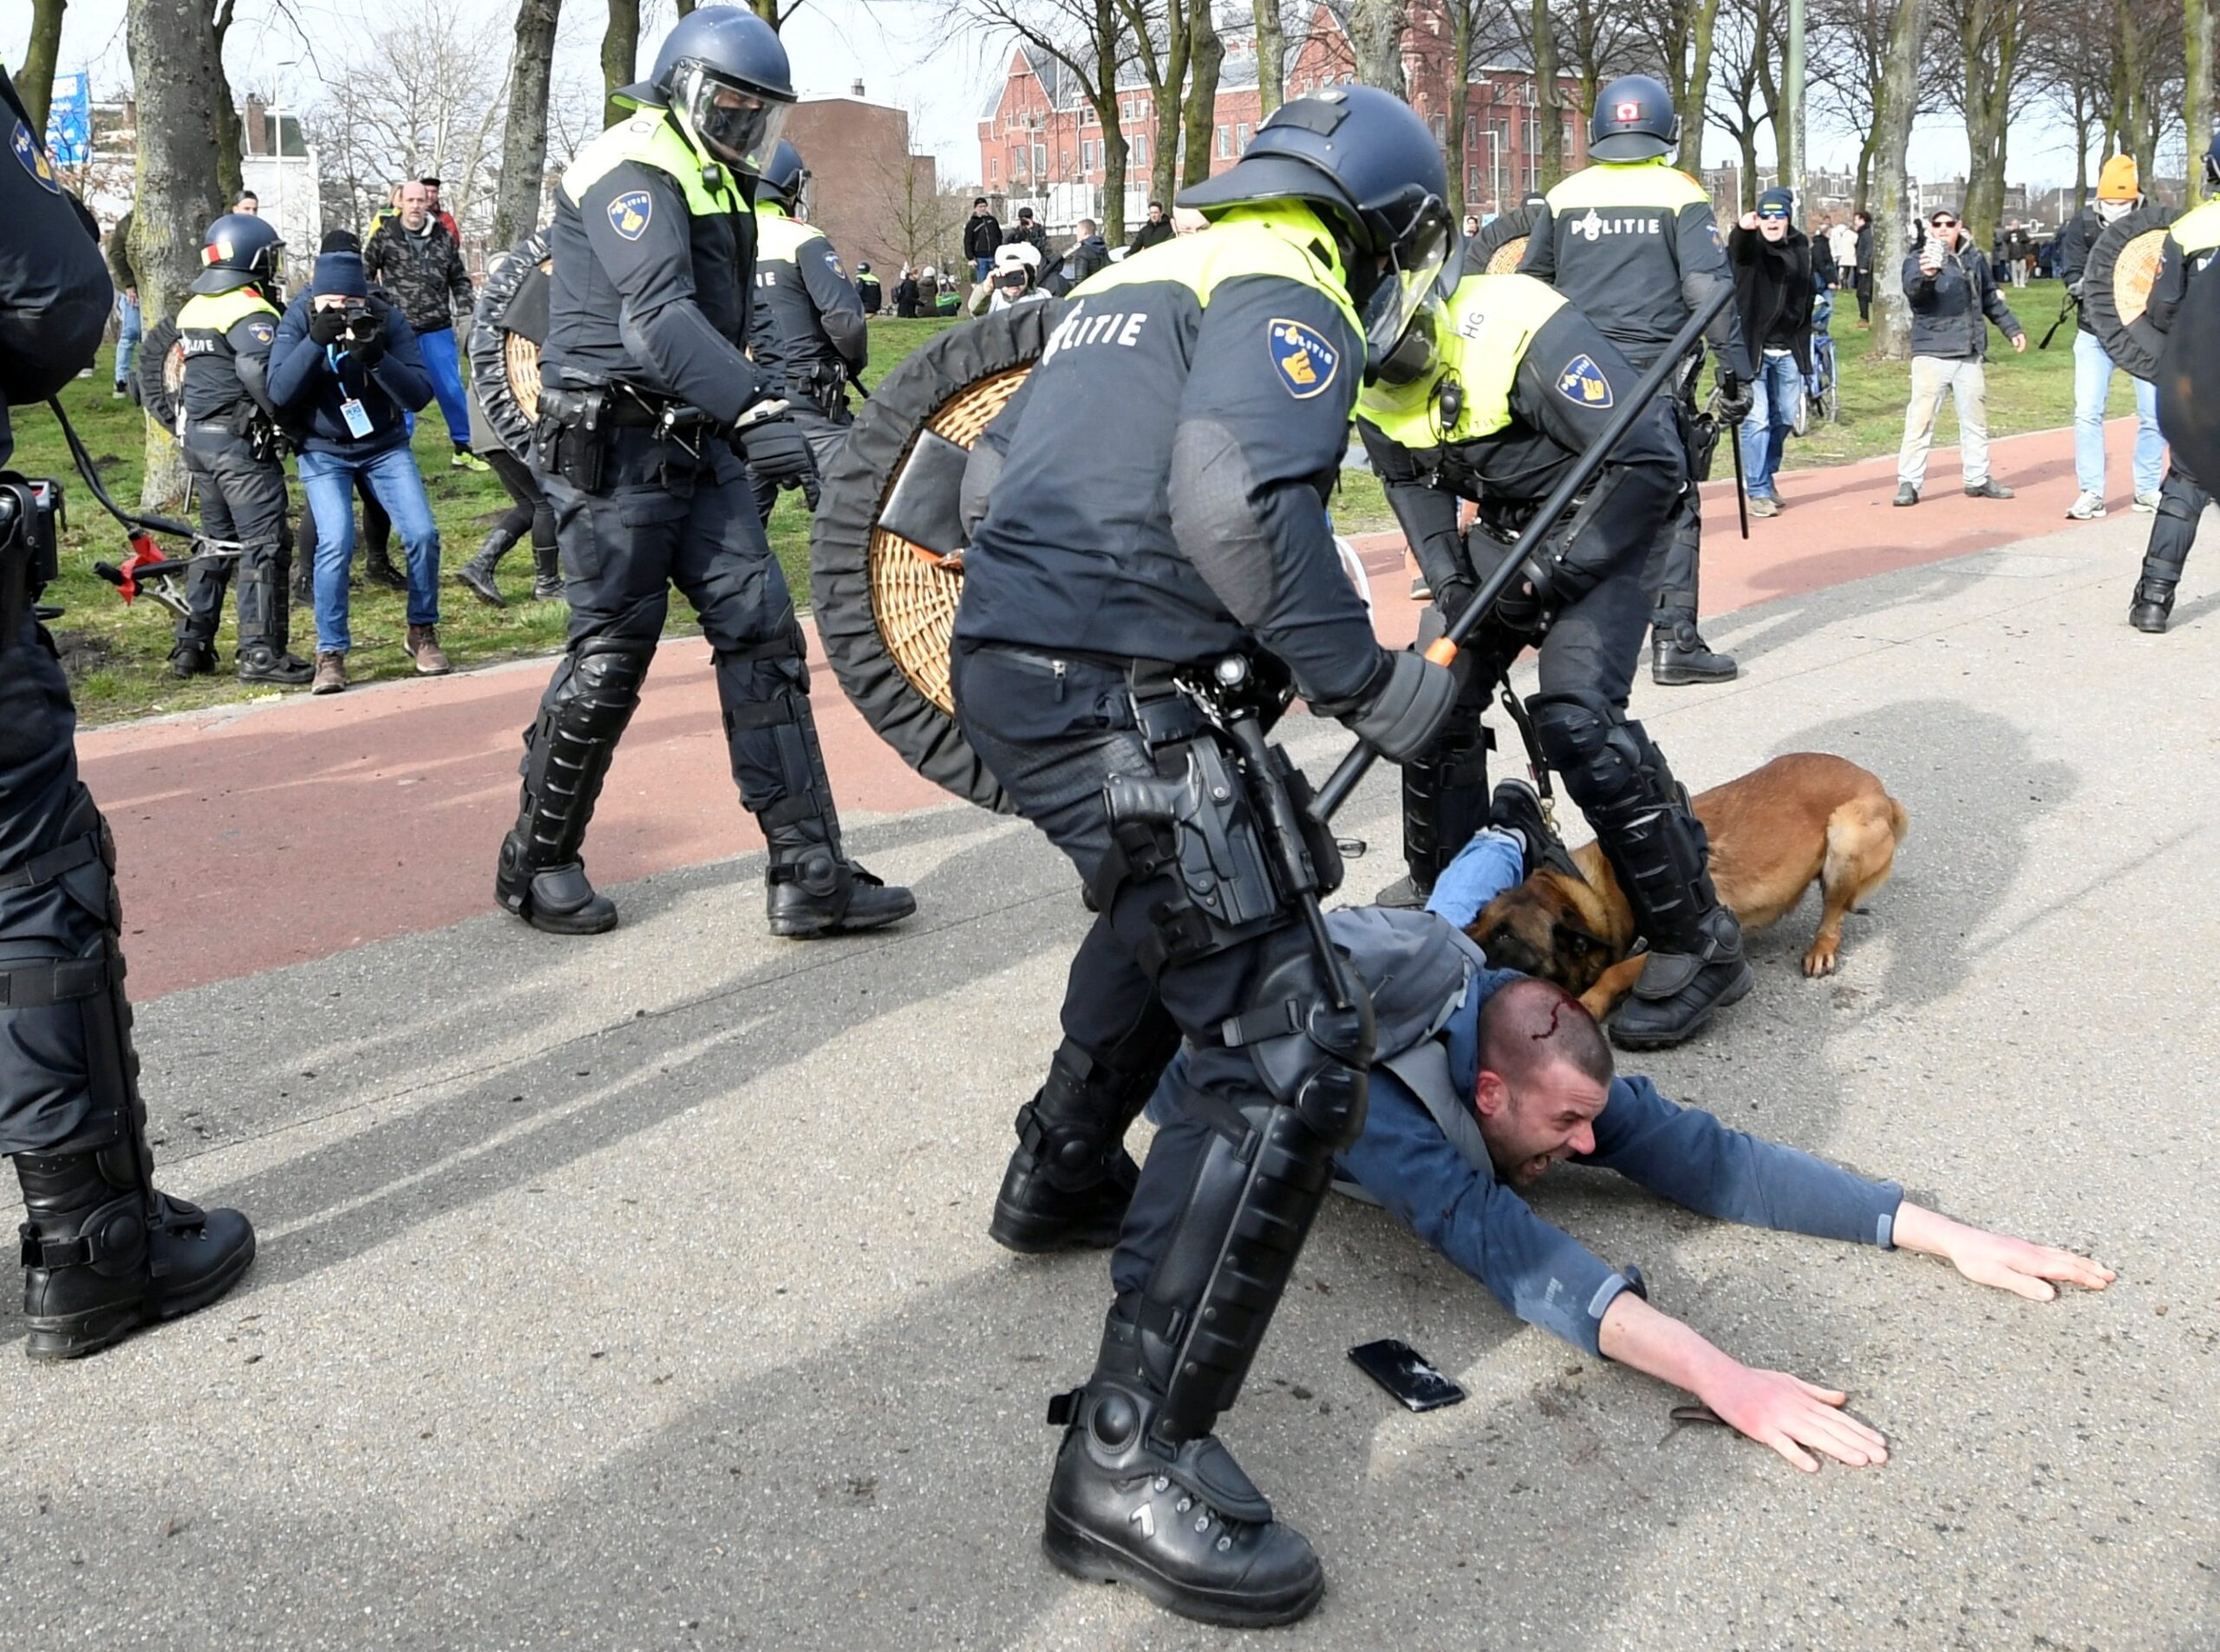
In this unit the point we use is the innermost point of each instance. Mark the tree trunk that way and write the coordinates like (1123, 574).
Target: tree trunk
(620, 56)
(178, 74)
(1704, 24)
(524, 141)
(1271, 56)
(1108, 44)
(35, 84)
(1549, 110)
(2085, 120)
(1895, 107)
(1460, 92)
(1205, 52)
(1376, 36)
(1865, 153)
(1747, 138)
(2196, 40)
(231, 180)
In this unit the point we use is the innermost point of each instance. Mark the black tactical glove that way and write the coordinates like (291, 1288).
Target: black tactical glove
(1735, 398)
(1523, 605)
(1409, 701)
(367, 343)
(775, 450)
(326, 326)
(1453, 597)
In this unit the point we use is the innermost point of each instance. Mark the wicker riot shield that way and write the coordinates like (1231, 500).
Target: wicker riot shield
(885, 554)
(2116, 286)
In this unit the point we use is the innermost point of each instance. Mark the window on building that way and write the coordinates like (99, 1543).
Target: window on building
(1472, 130)
(1241, 137)
(1140, 149)
(1439, 126)
(1225, 140)
(994, 170)
(1041, 160)
(1471, 185)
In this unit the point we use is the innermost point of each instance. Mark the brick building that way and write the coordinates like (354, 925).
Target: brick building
(867, 190)
(1041, 144)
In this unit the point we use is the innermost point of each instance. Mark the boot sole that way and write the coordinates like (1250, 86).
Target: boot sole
(1733, 994)
(486, 593)
(1680, 676)
(106, 1328)
(1030, 1235)
(804, 928)
(1088, 1559)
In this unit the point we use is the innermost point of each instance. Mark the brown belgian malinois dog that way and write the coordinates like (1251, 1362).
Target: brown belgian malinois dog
(1804, 816)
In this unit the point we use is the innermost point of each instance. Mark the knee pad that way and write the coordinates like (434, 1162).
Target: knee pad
(1310, 1056)
(604, 686)
(1602, 758)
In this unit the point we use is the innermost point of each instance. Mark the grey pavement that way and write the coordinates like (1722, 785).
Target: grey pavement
(635, 1292)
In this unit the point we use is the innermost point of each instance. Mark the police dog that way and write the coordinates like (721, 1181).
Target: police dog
(1804, 816)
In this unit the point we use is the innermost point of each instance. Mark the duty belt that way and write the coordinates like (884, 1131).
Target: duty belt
(37, 986)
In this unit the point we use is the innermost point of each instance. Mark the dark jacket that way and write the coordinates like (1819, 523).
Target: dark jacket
(1084, 259)
(1031, 233)
(308, 382)
(1948, 308)
(1825, 271)
(1151, 235)
(2071, 258)
(1866, 250)
(981, 236)
(423, 271)
(119, 268)
(1772, 284)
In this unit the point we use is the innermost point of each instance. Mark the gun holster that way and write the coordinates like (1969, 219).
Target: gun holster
(30, 513)
(572, 434)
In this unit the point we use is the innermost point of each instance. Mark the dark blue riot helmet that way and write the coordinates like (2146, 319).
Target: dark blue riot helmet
(783, 175)
(239, 249)
(1634, 119)
(724, 74)
(1363, 159)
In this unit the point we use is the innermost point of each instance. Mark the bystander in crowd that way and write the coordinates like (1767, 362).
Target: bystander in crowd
(1773, 290)
(1954, 297)
(2120, 191)
(414, 258)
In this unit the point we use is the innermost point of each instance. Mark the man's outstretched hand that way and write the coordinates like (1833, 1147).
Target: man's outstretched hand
(1996, 1259)
(1788, 1413)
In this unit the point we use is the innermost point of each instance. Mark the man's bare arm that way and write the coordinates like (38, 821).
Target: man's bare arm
(1772, 1407)
(1996, 1259)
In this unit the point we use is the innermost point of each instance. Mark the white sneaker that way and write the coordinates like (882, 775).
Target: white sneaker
(2147, 503)
(2086, 507)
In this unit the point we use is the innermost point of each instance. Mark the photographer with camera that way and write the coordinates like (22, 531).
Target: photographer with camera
(104, 1250)
(344, 370)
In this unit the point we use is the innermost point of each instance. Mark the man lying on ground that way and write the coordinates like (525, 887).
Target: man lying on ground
(1485, 1078)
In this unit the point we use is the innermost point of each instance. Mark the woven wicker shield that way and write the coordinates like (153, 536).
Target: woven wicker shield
(2116, 288)
(160, 373)
(885, 600)
(1501, 243)
(506, 330)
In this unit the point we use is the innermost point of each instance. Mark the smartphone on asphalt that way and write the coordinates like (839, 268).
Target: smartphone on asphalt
(1398, 1367)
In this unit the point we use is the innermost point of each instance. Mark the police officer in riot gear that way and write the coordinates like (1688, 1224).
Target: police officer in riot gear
(1631, 241)
(228, 427)
(104, 1250)
(1120, 594)
(807, 323)
(644, 390)
(1502, 398)
(2192, 245)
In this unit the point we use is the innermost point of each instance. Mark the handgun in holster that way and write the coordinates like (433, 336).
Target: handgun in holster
(572, 433)
(29, 514)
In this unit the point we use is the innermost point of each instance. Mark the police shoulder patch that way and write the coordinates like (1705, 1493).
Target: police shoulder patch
(1580, 381)
(261, 331)
(630, 212)
(1303, 357)
(32, 154)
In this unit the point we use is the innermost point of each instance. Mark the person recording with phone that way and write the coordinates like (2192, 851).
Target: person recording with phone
(344, 369)
(1954, 295)
(1484, 1081)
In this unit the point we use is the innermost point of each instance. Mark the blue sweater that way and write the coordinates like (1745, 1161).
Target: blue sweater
(311, 382)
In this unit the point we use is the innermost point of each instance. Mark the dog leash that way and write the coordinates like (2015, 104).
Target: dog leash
(1553, 855)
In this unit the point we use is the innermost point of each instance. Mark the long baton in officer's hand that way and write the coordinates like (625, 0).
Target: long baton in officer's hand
(1353, 767)
(1732, 437)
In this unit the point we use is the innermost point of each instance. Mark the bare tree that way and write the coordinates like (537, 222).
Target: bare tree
(620, 56)
(1376, 35)
(1678, 38)
(1597, 39)
(1849, 60)
(1747, 96)
(1271, 55)
(35, 84)
(1977, 46)
(176, 72)
(1206, 56)
(1543, 38)
(2196, 42)
(230, 177)
(1088, 38)
(1160, 34)
(1899, 104)
(524, 143)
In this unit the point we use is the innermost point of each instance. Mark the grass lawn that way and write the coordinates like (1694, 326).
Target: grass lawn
(115, 655)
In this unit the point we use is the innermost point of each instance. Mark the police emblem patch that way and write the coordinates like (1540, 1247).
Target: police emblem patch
(1301, 357)
(33, 157)
(1582, 382)
(261, 331)
(630, 212)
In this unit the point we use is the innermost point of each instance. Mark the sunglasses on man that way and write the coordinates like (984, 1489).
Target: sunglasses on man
(1944, 222)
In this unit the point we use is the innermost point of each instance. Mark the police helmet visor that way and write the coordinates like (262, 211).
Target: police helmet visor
(738, 126)
(1419, 237)
(1417, 354)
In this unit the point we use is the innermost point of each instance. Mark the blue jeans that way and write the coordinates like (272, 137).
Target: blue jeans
(127, 334)
(438, 349)
(391, 473)
(1772, 410)
(2092, 383)
(982, 268)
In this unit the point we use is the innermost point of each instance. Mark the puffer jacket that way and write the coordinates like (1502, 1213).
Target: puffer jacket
(1952, 309)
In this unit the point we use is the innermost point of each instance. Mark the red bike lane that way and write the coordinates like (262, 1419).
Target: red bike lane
(254, 836)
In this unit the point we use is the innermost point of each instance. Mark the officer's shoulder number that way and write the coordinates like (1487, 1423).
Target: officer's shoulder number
(1304, 358)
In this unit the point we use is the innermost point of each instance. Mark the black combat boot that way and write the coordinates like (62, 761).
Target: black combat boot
(1177, 1520)
(1070, 1178)
(546, 573)
(259, 662)
(478, 574)
(557, 899)
(811, 889)
(2153, 603)
(190, 659)
(378, 568)
(1678, 655)
(105, 1251)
